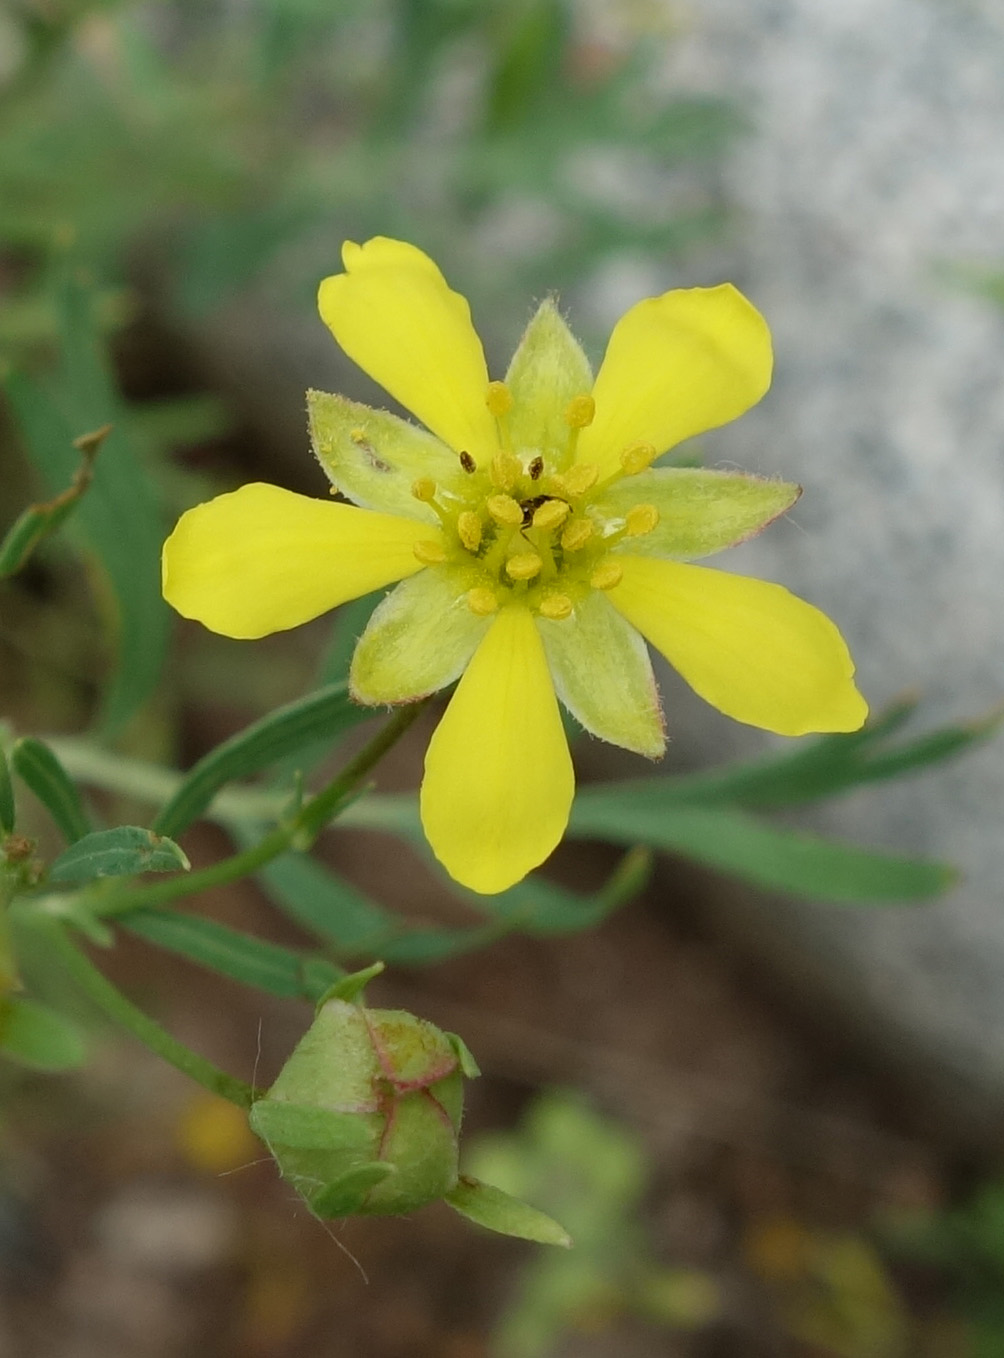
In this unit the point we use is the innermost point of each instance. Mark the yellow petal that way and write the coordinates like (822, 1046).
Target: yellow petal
(393, 314)
(677, 365)
(751, 649)
(262, 559)
(498, 776)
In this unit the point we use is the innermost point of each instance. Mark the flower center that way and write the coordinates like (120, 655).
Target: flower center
(529, 526)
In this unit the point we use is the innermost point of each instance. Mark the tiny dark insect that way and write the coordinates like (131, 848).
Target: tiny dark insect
(536, 467)
(528, 507)
(467, 462)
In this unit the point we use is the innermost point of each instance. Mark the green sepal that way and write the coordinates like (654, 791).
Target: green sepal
(547, 370)
(349, 988)
(700, 511)
(375, 458)
(300, 1127)
(348, 1193)
(465, 1057)
(498, 1211)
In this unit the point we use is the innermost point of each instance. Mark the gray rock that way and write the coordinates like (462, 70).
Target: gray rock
(876, 159)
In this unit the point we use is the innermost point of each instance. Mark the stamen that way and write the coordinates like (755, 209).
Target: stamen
(505, 471)
(504, 509)
(637, 457)
(469, 529)
(357, 435)
(606, 575)
(429, 553)
(551, 514)
(467, 462)
(579, 412)
(424, 489)
(555, 606)
(580, 478)
(535, 468)
(577, 534)
(523, 566)
(498, 399)
(482, 601)
(640, 520)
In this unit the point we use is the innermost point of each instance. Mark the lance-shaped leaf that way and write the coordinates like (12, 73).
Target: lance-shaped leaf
(37, 766)
(322, 715)
(778, 858)
(252, 961)
(7, 809)
(123, 852)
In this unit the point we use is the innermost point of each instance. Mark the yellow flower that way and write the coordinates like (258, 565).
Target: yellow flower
(534, 543)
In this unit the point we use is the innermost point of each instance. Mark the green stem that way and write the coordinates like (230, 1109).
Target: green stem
(151, 1034)
(298, 832)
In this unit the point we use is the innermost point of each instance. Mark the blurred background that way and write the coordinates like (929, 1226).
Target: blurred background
(772, 1127)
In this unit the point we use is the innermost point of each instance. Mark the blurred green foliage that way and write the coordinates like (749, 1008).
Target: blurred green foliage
(228, 141)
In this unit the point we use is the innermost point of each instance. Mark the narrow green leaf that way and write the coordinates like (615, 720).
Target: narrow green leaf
(35, 1035)
(122, 852)
(780, 859)
(40, 770)
(325, 904)
(537, 906)
(253, 961)
(812, 771)
(499, 1211)
(7, 810)
(118, 519)
(39, 521)
(322, 715)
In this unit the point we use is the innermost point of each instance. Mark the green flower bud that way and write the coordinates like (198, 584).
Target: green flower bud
(365, 1115)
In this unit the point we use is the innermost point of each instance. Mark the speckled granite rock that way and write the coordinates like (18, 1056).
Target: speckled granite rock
(875, 161)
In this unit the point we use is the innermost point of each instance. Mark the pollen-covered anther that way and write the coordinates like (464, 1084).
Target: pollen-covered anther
(606, 575)
(551, 514)
(469, 529)
(523, 566)
(482, 601)
(640, 519)
(580, 478)
(505, 470)
(424, 489)
(579, 412)
(576, 535)
(505, 510)
(555, 606)
(637, 457)
(498, 399)
(429, 553)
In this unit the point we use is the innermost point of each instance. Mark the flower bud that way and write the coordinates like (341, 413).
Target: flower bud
(364, 1116)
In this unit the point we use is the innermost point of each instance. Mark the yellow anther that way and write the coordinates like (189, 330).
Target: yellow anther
(469, 529)
(606, 575)
(357, 435)
(579, 412)
(424, 489)
(504, 509)
(637, 457)
(523, 566)
(482, 601)
(498, 399)
(430, 553)
(505, 470)
(555, 606)
(640, 520)
(580, 478)
(551, 514)
(577, 534)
